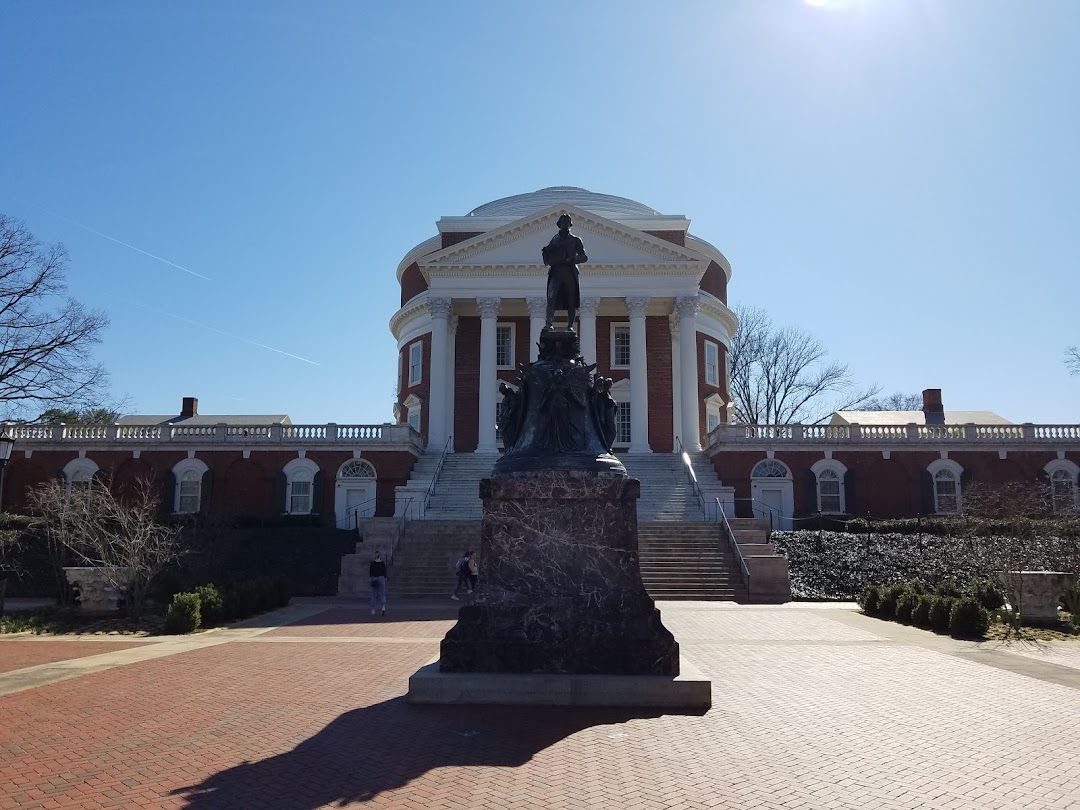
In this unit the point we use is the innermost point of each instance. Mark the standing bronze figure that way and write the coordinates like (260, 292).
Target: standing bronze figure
(562, 255)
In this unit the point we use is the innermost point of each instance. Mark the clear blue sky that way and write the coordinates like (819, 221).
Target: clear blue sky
(898, 177)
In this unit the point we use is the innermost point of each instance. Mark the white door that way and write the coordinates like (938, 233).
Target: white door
(775, 498)
(354, 499)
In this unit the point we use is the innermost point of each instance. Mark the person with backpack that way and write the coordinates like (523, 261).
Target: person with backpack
(377, 572)
(462, 571)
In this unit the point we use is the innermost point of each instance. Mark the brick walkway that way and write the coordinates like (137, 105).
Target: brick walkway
(813, 708)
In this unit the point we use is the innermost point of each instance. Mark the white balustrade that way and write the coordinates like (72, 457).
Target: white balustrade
(86, 432)
(139, 432)
(1056, 432)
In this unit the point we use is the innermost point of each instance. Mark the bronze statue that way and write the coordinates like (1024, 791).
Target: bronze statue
(511, 415)
(562, 255)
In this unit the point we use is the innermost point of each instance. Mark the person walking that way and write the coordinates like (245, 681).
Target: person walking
(461, 569)
(474, 572)
(377, 572)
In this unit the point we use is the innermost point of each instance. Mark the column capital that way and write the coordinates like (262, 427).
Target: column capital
(537, 307)
(687, 306)
(589, 306)
(440, 307)
(636, 305)
(489, 307)
(452, 323)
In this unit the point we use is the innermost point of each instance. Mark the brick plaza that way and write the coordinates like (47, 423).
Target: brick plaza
(813, 707)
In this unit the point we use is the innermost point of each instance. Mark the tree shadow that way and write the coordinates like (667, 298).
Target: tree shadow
(368, 751)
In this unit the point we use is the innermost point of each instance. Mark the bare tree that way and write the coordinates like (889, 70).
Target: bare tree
(782, 375)
(1072, 360)
(897, 401)
(45, 337)
(119, 535)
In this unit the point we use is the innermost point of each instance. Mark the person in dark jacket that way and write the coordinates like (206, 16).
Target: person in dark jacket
(377, 571)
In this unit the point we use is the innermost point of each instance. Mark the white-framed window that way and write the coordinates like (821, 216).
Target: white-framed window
(770, 468)
(414, 409)
(713, 405)
(416, 362)
(712, 364)
(830, 486)
(505, 334)
(78, 472)
(1063, 486)
(357, 468)
(620, 345)
(948, 498)
(622, 423)
(620, 392)
(187, 499)
(300, 486)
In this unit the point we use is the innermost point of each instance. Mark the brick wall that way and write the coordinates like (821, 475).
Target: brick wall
(676, 237)
(421, 389)
(658, 362)
(449, 239)
(714, 281)
(412, 283)
(466, 384)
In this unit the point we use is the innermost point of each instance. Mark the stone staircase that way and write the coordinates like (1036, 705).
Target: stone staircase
(424, 562)
(457, 491)
(688, 560)
(666, 491)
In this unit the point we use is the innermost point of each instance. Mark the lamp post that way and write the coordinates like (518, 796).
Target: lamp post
(6, 443)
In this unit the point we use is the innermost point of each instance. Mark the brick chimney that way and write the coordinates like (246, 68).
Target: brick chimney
(189, 408)
(933, 410)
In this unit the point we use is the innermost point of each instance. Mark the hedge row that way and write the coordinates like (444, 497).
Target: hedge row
(835, 565)
(209, 605)
(947, 609)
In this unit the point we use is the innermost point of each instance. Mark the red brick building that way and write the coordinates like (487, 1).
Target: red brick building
(653, 317)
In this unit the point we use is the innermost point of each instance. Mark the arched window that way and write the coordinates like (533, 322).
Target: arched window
(1063, 490)
(830, 486)
(188, 498)
(357, 468)
(770, 468)
(300, 486)
(414, 408)
(948, 497)
(79, 472)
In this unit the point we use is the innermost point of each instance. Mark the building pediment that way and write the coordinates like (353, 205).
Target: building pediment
(517, 245)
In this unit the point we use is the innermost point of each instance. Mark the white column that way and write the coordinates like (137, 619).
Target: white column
(489, 313)
(687, 307)
(440, 372)
(639, 376)
(537, 314)
(587, 320)
(451, 386)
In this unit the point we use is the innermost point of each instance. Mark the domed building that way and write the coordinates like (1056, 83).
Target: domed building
(653, 317)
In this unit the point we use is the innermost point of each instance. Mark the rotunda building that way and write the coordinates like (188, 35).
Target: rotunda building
(653, 317)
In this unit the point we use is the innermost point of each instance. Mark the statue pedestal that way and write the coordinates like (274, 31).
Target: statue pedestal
(561, 589)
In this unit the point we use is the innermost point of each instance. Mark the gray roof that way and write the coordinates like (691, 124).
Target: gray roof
(206, 419)
(521, 205)
(918, 417)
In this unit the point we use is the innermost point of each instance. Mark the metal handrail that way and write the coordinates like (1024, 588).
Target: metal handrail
(371, 503)
(764, 511)
(435, 477)
(692, 477)
(734, 543)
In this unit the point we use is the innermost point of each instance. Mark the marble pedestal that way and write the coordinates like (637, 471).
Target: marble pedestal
(1037, 593)
(97, 587)
(561, 590)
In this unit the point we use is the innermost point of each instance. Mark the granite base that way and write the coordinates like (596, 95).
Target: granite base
(690, 691)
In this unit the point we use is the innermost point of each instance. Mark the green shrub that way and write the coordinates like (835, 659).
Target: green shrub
(1070, 600)
(948, 587)
(968, 619)
(920, 616)
(869, 598)
(183, 614)
(211, 605)
(1075, 622)
(988, 594)
(905, 605)
(941, 613)
(889, 597)
(283, 591)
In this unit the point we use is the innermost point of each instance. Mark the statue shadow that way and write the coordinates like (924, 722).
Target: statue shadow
(368, 751)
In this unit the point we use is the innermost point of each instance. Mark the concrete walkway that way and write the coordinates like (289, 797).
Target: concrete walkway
(814, 706)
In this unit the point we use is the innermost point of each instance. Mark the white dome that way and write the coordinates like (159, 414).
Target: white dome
(521, 205)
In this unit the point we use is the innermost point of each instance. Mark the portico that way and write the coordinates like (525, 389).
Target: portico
(476, 305)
